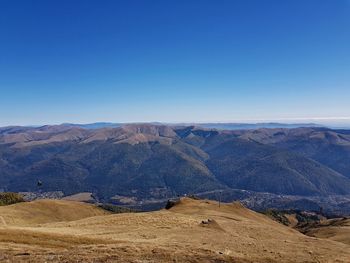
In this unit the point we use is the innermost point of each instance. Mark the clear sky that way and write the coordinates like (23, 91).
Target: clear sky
(173, 60)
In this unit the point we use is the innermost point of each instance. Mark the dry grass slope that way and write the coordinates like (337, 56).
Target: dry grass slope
(333, 229)
(46, 211)
(191, 231)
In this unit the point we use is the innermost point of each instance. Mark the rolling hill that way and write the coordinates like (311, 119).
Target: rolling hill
(337, 229)
(191, 231)
(46, 211)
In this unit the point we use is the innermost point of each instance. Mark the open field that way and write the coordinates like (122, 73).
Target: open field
(191, 231)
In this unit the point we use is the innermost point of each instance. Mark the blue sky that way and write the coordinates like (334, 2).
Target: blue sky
(174, 61)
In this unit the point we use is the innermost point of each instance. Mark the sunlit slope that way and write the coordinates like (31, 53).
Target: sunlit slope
(191, 231)
(46, 211)
(334, 229)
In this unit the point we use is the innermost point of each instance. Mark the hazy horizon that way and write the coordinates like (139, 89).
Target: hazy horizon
(332, 123)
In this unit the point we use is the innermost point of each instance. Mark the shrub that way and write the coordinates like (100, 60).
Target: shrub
(277, 216)
(10, 198)
(171, 203)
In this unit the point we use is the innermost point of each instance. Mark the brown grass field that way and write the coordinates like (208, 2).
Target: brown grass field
(334, 229)
(68, 231)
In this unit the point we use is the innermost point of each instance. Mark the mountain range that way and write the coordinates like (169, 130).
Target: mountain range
(151, 161)
(210, 125)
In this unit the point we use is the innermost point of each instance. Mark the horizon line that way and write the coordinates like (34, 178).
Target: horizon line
(292, 120)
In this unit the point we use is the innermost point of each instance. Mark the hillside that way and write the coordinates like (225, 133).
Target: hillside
(314, 224)
(191, 231)
(329, 147)
(251, 166)
(156, 162)
(46, 211)
(337, 229)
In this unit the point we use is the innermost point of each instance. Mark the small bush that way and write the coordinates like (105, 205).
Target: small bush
(10, 198)
(171, 203)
